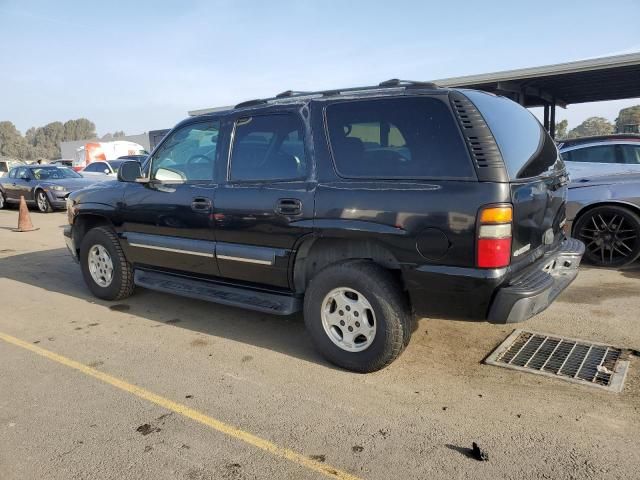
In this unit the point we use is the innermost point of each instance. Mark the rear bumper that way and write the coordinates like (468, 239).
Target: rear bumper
(531, 293)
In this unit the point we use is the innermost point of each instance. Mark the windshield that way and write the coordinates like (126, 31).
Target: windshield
(53, 173)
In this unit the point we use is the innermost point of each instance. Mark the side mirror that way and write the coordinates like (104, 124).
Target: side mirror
(129, 171)
(107, 171)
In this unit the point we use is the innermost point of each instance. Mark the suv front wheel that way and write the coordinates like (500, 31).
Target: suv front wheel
(105, 269)
(357, 315)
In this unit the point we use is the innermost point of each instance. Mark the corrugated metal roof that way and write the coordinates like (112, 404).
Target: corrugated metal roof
(596, 79)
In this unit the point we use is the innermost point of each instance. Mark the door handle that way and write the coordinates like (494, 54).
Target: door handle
(289, 206)
(201, 204)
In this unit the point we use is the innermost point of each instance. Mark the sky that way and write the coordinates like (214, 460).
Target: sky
(141, 65)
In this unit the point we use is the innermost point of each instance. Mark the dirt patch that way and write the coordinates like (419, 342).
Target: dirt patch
(246, 358)
(146, 429)
(318, 458)
(95, 364)
(199, 342)
(173, 320)
(595, 294)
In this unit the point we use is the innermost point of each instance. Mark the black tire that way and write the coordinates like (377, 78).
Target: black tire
(393, 318)
(42, 201)
(121, 285)
(3, 201)
(611, 235)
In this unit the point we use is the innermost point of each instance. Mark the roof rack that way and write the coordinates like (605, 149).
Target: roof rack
(393, 83)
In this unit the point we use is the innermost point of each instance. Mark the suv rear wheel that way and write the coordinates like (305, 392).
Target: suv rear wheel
(357, 315)
(105, 269)
(611, 235)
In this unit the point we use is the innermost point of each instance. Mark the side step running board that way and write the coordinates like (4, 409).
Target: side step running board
(212, 292)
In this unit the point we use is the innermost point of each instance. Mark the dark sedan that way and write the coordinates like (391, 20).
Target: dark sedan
(46, 186)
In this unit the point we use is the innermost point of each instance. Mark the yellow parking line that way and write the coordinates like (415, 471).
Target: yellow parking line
(199, 417)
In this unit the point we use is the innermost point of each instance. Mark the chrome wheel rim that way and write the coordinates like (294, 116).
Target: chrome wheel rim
(100, 265)
(42, 201)
(348, 319)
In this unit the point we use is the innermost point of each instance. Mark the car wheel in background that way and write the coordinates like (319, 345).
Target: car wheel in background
(2, 201)
(357, 315)
(43, 202)
(611, 235)
(105, 269)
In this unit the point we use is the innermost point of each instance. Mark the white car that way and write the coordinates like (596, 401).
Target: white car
(107, 169)
(608, 154)
(6, 165)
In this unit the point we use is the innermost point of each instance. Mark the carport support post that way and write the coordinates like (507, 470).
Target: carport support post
(552, 127)
(546, 117)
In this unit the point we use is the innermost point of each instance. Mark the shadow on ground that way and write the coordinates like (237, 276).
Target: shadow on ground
(55, 270)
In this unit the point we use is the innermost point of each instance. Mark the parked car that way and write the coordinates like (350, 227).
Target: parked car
(6, 165)
(109, 168)
(601, 155)
(360, 207)
(46, 186)
(603, 211)
(62, 163)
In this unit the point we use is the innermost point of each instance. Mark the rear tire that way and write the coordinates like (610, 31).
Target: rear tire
(369, 303)
(611, 235)
(105, 269)
(3, 202)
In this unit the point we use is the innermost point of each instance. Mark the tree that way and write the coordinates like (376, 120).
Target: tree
(80, 129)
(590, 127)
(561, 129)
(629, 116)
(12, 144)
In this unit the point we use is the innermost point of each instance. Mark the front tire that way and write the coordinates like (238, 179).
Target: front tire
(611, 235)
(357, 315)
(43, 202)
(105, 269)
(3, 202)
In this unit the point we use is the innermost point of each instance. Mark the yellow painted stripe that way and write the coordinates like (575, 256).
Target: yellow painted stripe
(176, 407)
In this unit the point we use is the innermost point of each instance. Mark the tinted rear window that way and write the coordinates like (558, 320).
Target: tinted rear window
(409, 137)
(526, 148)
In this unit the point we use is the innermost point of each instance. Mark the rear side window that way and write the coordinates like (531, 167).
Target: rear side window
(526, 149)
(409, 137)
(268, 148)
(3, 167)
(597, 154)
(631, 154)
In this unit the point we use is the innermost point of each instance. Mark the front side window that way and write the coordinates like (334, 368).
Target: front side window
(631, 154)
(22, 174)
(397, 138)
(268, 147)
(188, 154)
(596, 154)
(12, 173)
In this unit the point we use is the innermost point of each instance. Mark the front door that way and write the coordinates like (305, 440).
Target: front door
(167, 222)
(266, 203)
(21, 185)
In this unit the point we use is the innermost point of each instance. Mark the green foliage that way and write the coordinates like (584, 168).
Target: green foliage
(628, 120)
(561, 129)
(590, 127)
(43, 142)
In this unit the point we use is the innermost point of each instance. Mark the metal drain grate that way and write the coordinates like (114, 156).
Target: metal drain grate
(569, 359)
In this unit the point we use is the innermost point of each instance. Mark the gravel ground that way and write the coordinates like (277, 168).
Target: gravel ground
(415, 419)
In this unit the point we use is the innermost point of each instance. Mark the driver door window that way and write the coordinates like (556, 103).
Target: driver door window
(188, 155)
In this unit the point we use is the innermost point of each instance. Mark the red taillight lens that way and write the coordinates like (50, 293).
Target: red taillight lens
(494, 253)
(494, 237)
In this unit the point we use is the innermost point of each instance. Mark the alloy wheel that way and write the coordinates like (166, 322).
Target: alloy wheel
(609, 237)
(348, 319)
(100, 265)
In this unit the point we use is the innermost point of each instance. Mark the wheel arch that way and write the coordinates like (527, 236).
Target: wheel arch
(84, 222)
(315, 253)
(608, 203)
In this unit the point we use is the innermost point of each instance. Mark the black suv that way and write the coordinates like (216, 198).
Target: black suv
(362, 207)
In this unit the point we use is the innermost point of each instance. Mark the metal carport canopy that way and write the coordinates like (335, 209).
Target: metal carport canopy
(593, 80)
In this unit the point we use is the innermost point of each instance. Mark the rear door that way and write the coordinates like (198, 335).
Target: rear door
(536, 173)
(266, 203)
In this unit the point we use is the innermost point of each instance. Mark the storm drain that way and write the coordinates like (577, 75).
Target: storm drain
(569, 359)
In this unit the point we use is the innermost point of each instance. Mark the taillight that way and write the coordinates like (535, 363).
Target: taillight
(494, 236)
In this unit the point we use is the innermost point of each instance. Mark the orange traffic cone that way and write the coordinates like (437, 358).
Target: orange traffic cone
(24, 218)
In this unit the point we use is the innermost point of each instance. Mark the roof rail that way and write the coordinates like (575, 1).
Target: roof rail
(250, 103)
(291, 93)
(395, 82)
